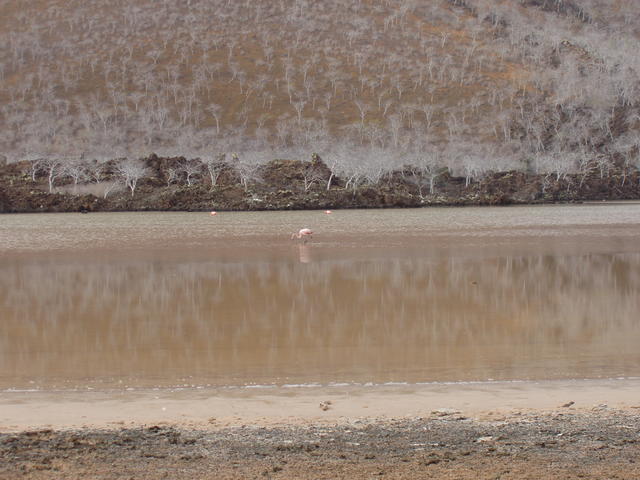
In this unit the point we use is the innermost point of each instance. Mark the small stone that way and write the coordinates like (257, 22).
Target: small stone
(485, 439)
(443, 412)
(568, 404)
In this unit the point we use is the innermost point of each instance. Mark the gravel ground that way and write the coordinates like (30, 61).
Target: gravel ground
(596, 444)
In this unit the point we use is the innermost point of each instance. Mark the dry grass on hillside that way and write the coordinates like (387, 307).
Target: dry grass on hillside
(115, 78)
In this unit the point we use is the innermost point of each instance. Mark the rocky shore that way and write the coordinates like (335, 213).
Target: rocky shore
(296, 185)
(595, 443)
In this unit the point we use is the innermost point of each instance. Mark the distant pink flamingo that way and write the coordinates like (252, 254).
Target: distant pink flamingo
(303, 234)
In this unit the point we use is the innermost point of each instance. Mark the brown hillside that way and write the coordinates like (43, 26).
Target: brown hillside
(491, 85)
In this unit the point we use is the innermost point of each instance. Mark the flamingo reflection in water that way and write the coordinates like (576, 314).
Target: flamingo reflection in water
(305, 253)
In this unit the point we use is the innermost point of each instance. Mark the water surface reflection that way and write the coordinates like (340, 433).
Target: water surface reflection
(162, 321)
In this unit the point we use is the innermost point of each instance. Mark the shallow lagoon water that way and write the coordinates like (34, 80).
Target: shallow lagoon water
(138, 300)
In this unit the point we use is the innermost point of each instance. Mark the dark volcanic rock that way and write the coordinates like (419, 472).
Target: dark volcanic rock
(292, 184)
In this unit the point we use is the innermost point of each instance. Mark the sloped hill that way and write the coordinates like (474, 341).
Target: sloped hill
(475, 85)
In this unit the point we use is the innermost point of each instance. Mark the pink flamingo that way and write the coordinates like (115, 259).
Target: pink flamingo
(303, 234)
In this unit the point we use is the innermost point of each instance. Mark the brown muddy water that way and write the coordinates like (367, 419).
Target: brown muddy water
(138, 300)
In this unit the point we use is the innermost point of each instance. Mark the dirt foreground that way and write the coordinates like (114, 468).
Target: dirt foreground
(559, 429)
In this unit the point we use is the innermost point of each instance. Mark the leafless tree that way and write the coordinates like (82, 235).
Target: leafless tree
(311, 174)
(395, 124)
(247, 165)
(171, 175)
(215, 110)
(110, 187)
(191, 169)
(215, 166)
(54, 169)
(363, 108)
(131, 171)
(77, 170)
(299, 106)
(425, 162)
(35, 166)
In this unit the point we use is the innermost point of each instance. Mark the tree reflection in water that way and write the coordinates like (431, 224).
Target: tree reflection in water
(164, 322)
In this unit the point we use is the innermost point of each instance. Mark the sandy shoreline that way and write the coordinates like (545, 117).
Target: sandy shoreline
(219, 408)
(535, 430)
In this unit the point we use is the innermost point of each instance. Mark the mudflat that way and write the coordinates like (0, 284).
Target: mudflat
(561, 429)
(575, 444)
